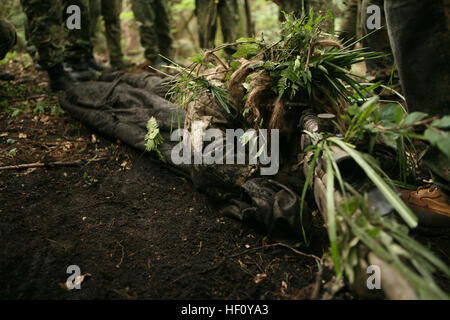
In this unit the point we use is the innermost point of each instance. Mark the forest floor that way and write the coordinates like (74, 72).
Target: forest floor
(139, 230)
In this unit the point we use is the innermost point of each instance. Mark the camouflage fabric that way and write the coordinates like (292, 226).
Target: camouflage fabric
(78, 42)
(207, 12)
(110, 10)
(420, 46)
(154, 19)
(46, 30)
(8, 37)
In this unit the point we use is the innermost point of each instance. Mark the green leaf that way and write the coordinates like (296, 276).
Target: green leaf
(391, 113)
(414, 117)
(442, 123)
(331, 212)
(440, 139)
(247, 50)
(13, 152)
(154, 138)
(246, 40)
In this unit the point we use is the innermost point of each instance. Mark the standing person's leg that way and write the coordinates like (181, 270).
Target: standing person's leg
(377, 41)
(31, 49)
(8, 37)
(229, 21)
(349, 26)
(94, 14)
(111, 10)
(47, 34)
(164, 27)
(78, 42)
(95, 10)
(46, 31)
(419, 35)
(145, 13)
(206, 12)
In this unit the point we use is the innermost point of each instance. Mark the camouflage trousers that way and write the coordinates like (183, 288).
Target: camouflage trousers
(78, 42)
(207, 12)
(8, 37)
(46, 30)
(155, 31)
(110, 10)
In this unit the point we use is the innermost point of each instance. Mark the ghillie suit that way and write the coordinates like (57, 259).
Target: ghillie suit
(277, 87)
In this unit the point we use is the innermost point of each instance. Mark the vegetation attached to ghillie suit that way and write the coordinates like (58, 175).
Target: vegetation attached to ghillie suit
(271, 85)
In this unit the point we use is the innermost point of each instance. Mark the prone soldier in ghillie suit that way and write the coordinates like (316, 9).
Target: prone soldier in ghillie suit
(207, 12)
(47, 34)
(154, 19)
(8, 39)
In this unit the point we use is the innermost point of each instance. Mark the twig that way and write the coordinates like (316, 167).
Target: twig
(294, 250)
(405, 126)
(208, 53)
(123, 254)
(51, 164)
(199, 248)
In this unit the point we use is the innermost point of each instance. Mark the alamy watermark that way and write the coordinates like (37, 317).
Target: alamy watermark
(374, 280)
(73, 22)
(374, 17)
(73, 281)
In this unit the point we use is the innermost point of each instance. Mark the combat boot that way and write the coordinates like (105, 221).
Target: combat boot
(79, 69)
(60, 80)
(430, 204)
(92, 63)
(75, 64)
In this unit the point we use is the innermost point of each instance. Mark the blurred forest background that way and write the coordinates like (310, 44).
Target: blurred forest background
(264, 17)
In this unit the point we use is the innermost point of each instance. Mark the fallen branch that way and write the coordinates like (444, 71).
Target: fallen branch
(51, 164)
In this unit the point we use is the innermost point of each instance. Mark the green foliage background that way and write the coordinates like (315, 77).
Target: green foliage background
(264, 17)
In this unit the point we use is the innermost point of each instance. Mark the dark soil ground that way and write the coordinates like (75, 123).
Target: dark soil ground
(138, 229)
